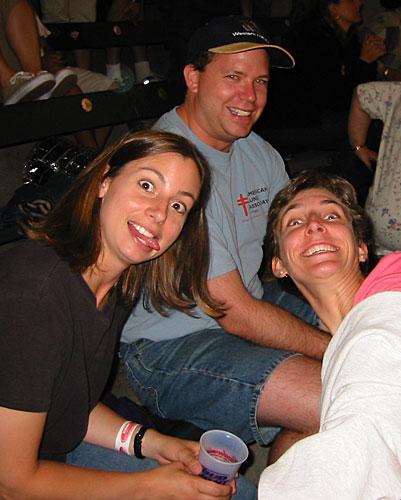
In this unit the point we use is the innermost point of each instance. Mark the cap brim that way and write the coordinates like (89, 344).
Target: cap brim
(279, 57)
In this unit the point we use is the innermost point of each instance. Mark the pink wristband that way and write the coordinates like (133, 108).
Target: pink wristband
(124, 436)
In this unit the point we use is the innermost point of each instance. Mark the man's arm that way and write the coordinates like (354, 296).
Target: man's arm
(358, 125)
(264, 323)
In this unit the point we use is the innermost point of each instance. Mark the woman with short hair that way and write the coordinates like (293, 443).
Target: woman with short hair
(318, 237)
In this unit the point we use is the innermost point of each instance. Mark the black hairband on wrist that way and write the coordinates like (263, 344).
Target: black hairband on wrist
(138, 442)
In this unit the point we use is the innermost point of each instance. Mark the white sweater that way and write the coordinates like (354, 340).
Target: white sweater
(357, 452)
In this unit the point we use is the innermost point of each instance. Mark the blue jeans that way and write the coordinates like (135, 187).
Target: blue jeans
(210, 378)
(96, 457)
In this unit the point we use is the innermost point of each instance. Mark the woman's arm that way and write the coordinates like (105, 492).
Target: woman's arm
(24, 477)
(104, 425)
(358, 125)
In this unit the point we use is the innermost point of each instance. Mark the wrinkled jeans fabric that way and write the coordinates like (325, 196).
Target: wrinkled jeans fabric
(96, 457)
(210, 378)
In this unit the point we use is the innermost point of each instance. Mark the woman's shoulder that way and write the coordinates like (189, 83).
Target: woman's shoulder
(30, 264)
(27, 253)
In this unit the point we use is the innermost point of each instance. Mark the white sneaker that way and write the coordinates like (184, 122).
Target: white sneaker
(65, 80)
(25, 86)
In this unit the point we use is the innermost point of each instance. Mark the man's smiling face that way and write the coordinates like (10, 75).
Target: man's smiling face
(229, 96)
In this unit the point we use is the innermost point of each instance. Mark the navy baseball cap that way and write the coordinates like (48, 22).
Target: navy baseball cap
(233, 34)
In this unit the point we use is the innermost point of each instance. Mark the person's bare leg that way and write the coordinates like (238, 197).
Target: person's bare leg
(118, 11)
(102, 134)
(139, 53)
(83, 58)
(23, 36)
(84, 137)
(113, 55)
(291, 399)
(283, 442)
(141, 63)
(5, 73)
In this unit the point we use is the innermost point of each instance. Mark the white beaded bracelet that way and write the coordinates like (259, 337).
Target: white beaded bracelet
(124, 436)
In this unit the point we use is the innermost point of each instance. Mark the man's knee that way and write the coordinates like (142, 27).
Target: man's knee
(291, 395)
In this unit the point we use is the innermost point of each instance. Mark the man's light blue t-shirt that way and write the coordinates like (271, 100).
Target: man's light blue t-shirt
(244, 183)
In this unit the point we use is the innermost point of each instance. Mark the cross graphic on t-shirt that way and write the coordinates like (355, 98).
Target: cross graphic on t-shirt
(243, 201)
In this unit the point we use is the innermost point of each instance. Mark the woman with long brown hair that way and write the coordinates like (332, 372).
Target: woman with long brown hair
(132, 221)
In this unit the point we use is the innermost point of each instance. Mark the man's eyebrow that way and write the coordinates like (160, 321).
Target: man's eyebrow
(239, 72)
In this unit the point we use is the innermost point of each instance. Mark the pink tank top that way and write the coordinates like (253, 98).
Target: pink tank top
(385, 277)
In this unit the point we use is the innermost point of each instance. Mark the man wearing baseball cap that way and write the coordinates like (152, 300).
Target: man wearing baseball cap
(241, 372)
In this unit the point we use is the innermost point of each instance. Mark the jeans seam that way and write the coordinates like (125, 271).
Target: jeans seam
(259, 387)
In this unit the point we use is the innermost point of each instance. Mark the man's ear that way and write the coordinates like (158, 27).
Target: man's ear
(278, 268)
(191, 76)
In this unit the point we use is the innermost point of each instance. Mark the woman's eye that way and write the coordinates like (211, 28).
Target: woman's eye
(331, 216)
(294, 222)
(146, 185)
(179, 207)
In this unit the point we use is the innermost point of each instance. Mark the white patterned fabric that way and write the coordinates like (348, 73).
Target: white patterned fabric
(382, 100)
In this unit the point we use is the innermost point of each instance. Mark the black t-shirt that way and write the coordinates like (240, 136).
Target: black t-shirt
(56, 348)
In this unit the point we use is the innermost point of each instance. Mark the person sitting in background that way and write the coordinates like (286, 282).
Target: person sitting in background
(126, 224)
(387, 26)
(318, 237)
(71, 11)
(86, 81)
(128, 10)
(22, 77)
(330, 62)
(380, 101)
